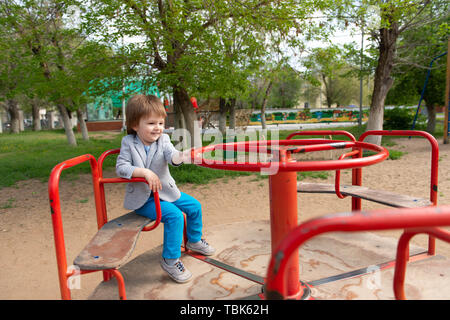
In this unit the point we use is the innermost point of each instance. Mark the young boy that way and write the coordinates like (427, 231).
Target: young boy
(146, 152)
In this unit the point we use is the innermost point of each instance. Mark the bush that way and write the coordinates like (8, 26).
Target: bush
(398, 119)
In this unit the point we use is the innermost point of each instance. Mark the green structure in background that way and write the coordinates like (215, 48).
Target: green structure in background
(109, 105)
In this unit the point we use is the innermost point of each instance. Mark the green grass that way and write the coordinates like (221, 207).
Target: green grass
(190, 173)
(32, 155)
(395, 154)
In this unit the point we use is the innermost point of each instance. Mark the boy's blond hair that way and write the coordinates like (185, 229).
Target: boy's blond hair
(142, 105)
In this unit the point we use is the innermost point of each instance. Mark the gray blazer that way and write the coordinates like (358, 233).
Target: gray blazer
(133, 155)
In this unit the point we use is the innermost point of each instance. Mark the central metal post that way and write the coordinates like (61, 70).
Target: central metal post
(283, 218)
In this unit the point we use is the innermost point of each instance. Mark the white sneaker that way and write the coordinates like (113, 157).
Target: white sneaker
(177, 272)
(201, 247)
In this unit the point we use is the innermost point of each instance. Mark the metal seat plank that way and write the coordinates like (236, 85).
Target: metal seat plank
(113, 244)
(384, 197)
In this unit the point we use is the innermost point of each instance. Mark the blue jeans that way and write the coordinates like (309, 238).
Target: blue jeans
(173, 219)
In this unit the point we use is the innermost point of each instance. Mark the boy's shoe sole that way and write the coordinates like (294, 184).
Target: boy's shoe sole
(168, 269)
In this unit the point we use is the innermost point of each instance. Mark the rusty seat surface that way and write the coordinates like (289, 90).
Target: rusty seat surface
(113, 244)
(384, 197)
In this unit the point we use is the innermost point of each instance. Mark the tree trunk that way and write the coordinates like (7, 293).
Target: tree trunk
(36, 115)
(263, 105)
(232, 108)
(329, 102)
(181, 99)
(21, 121)
(179, 122)
(67, 125)
(327, 90)
(83, 127)
(13, 110)
(431, 123)
(223, 108)
(383, 81)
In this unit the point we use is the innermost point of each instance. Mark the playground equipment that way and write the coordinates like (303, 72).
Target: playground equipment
(283, 184)
(415, 220)
(112, 246)
(114, 242)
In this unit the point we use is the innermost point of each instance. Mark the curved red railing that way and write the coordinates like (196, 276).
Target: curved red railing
(426, 219)
(55, 209)
(308, 145)
(434, 153)
(403, 256)
(102, 181)
(322, 133)
(99, 196)
(337, 179)
(355, 153)
(357, 174)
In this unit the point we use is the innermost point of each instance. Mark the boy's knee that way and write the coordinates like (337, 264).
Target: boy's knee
(197, 205)
(175, 216)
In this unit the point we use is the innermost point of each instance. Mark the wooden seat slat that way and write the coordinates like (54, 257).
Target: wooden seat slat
(379, 196)
(113, 244)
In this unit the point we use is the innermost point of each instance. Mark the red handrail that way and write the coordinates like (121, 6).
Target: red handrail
(322, 133)
(102, 181)
(307, 146)
(356, 153)
(403, 256)
(337, 179)
(434, 153)
(55, 209)
(357, 173)
(100, 205)
(385, 219)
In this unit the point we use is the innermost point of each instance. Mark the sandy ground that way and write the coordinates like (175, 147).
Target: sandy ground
(28, 264)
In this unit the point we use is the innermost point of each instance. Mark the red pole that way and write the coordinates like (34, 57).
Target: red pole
(120, 284)
(283, 219)
(403, 255)
(58, 231)
(434, 165)
(55, 209)
(387, 219)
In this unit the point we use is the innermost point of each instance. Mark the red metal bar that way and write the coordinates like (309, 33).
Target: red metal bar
(434, 153)
(322, 133)
(155, 195)
(120, 284)
(356, 202)
(434, 166)
(403, 256)
(381, 155)
(100, 205)
(55, 209)
(384, 219)
(337, 179)
(356, 181)
(101, 159)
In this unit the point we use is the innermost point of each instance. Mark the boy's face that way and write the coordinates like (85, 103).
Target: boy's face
(150, 128)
